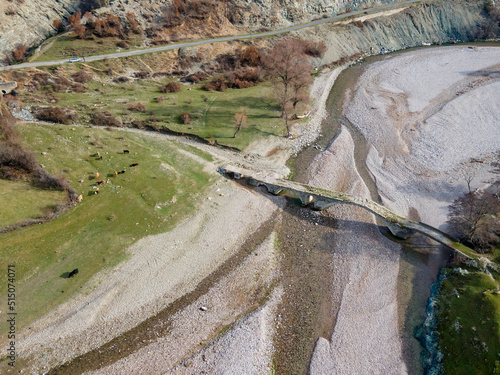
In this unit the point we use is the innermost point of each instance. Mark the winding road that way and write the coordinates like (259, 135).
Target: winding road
(216, 40)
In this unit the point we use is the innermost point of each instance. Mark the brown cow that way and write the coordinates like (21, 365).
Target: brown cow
(116, 173)
(97, 191)
(97, 175)
(100, 182)
(79, 199)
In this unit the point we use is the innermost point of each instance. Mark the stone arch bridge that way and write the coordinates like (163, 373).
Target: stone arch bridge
(319, 199)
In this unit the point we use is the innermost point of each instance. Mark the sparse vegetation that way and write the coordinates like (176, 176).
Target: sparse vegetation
(57, 114)
(171, 87)
(104, 101)
(186, 118)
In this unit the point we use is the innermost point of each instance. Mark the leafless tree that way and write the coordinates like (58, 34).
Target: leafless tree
(240, 119)
(473, 216)
(290, 71)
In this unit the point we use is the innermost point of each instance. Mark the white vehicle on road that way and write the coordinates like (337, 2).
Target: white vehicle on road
(75, 59)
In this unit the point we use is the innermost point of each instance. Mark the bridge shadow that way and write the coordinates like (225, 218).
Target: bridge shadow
(356, 228)
(323, 218)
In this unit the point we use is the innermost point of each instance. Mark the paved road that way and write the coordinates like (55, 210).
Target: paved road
(214, 40)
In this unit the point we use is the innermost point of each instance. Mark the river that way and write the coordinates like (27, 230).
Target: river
(308, 241)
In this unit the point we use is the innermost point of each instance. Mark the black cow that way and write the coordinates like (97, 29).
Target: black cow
(126, 151)
(73, 273)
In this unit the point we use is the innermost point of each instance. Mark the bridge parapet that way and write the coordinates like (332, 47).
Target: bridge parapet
(319, 199)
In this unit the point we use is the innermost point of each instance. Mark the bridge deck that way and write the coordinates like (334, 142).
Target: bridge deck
(319, 199)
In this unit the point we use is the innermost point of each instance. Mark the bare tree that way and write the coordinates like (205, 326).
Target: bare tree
(240, 119)
(291, 74)
(468, 172)
(472, 215)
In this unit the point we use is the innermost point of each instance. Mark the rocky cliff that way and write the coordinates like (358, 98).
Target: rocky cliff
(431, 22)
(29, 22)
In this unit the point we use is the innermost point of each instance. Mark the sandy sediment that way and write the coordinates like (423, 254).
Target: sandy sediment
(427, 113)
(161, 269)
(233, 296)
(366, 338)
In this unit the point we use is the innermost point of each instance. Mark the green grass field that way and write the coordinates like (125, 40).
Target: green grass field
(469, 318)
(20, 200)
(147, 199)
(212, 112)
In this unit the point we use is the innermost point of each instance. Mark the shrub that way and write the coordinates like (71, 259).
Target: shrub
(136, 107)
(58, 25)
(121, 79)
(142, 75)
(217, 84)
(122, 44)
(19, 53)
(134, 26)
(171, 87)
(250, 56)
(82, 77)
(78, 87)
(197, 77)
(106, 118)
(315, 49)
(62, 84)
(56, 114)
(186, 118)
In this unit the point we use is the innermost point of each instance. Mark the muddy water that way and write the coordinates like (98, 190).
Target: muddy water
(307, 313)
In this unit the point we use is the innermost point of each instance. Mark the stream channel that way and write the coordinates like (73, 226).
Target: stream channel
(306, 239)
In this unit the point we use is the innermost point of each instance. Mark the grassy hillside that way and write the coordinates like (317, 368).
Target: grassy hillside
(67, 45)
(20, 200)
(135, 103)
(469, 316)
(147, 199)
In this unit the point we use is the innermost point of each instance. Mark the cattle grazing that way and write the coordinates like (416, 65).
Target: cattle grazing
(97, 175)
(79, 199)
(97, 191)
(116, 173)
(134, 164)
(121, 172)
(73, 273)
(100, 182)
(126, 151)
